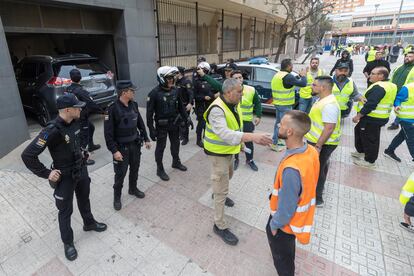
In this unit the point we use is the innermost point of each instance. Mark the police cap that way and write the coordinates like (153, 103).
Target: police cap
(68, 100)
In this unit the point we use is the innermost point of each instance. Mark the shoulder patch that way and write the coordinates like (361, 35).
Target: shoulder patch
(40, 142)
(106, 117)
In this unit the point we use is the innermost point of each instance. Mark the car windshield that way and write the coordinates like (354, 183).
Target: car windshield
(86, 68)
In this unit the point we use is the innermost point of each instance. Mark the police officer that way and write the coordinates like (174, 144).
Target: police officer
(165, 107)
(185, 93)
(203, 95)
(87, 128)
(68, 173)
(125, 132)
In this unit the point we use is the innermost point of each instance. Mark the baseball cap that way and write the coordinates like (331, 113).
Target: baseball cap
(230, 66)
(342, 65)
(124, 84)
(68, 100)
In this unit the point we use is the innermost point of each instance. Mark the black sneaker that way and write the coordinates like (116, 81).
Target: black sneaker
(137, 193)
(393, 127)
(236, 164)
(163, 175)
(179, 166)
(117, 203)
(392, 155)
(407, 227)
(252, 165)
(227, 236)
(70, 251)
(97, 227)
(320, 203)
(94, 147)
(90, 162)
(228, 202)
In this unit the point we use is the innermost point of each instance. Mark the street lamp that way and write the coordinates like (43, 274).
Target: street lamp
(396, 26)
(372, 23)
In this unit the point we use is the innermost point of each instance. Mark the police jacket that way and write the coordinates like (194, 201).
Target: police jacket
(123, 125)
(62, 140)
(202, 89)
(185, 90)
(164, 105)
(84, 96)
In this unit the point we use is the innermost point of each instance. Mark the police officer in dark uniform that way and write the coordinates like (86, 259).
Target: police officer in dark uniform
(203, 95)
(87, 128)
(125, 133)
(165, 107)
(185, 93)
(68, 173)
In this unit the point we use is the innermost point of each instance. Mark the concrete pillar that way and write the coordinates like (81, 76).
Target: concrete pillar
(13, 123)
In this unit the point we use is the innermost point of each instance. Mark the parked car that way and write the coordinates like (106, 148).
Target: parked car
(42, 79)
(260, 75)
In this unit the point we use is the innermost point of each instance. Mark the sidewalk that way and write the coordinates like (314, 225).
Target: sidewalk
(169, 232)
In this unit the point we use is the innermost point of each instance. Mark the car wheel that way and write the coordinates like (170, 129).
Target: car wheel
(42, 113)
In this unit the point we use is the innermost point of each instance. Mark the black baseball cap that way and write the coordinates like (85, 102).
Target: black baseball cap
(230, 66)
(68, 100)
(342, 65)
(124, 84)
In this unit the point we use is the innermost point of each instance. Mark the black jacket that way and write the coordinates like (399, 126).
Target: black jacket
(84, 96)
(348, 61)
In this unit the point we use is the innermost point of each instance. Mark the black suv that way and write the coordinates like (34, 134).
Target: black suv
(41, 79)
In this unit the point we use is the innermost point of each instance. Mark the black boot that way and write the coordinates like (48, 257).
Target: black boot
(184, 142)
(227, 236)
(162, 174)
(137, 193)
(200, 143)
(96, 226)
(70, 251)
(179, 166)
(117, 202)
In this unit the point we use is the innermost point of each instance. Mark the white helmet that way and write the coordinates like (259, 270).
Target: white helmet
(205, 66)
(164, 72)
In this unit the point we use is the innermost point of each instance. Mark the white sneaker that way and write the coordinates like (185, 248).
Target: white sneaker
(407, 227)
(363, 163)
(358, 155)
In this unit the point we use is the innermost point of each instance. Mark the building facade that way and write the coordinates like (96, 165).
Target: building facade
(343, 6)
(132, 37)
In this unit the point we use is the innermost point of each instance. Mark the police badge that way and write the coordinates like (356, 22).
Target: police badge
(67, 139)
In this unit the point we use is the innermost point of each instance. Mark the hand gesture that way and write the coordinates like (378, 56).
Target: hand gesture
(207, 98)
(263, 139)
(302, 72)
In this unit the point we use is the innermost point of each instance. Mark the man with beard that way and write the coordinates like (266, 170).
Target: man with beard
(344, 89)
(378, 62)
(305, 93)
(325, 130)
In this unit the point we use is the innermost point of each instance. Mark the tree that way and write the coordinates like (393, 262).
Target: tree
(317, 25)
(297, 12)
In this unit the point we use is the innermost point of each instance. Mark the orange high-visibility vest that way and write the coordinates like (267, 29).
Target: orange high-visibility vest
(307, 163)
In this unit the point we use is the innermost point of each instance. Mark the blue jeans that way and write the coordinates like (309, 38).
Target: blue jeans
(305, 104)
(280, 112)
(406, 133)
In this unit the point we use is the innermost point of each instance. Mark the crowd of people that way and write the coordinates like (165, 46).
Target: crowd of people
(227, 111)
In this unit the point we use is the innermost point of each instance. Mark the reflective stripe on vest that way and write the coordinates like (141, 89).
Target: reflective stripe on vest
(280, 94)
(407, 190)
(410, 76)
(306, 92)
(212, 142)
(342, 96)
(246, 103)
(384, 107)
(317, 125)
(307, 164)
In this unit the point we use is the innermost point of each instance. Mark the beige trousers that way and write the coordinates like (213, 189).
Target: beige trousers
(221, 173)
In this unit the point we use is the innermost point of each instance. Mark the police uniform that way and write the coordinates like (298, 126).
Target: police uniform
(63, 141)
(124, 131)
(167, 110)
(186, 94)
(201, 89)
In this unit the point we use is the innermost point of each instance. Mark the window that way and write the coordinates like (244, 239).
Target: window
(246, 72)
(28, 71)
(264, 74)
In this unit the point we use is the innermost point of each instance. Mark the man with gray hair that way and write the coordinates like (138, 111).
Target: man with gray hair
(223, 139)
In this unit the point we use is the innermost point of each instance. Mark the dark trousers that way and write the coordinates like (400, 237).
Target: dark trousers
(282, 246)
(86, 132)
(64, 202)
(247, 127)
(324, 156)
(406, 133)
(91, 129)
(367, 139)
(173, 133)
(184, 130)
(201, 125)
(131, 154)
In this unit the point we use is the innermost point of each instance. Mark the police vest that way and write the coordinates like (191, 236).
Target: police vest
(280, 94)
(407, 107)
(307, 163)
(317, 125)
(410, 76)
(371, 55)
(126, 123)
(306, 92)
(407, 190)
(246, 104)
(342, 96)
(384, 107)
(212, 142)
